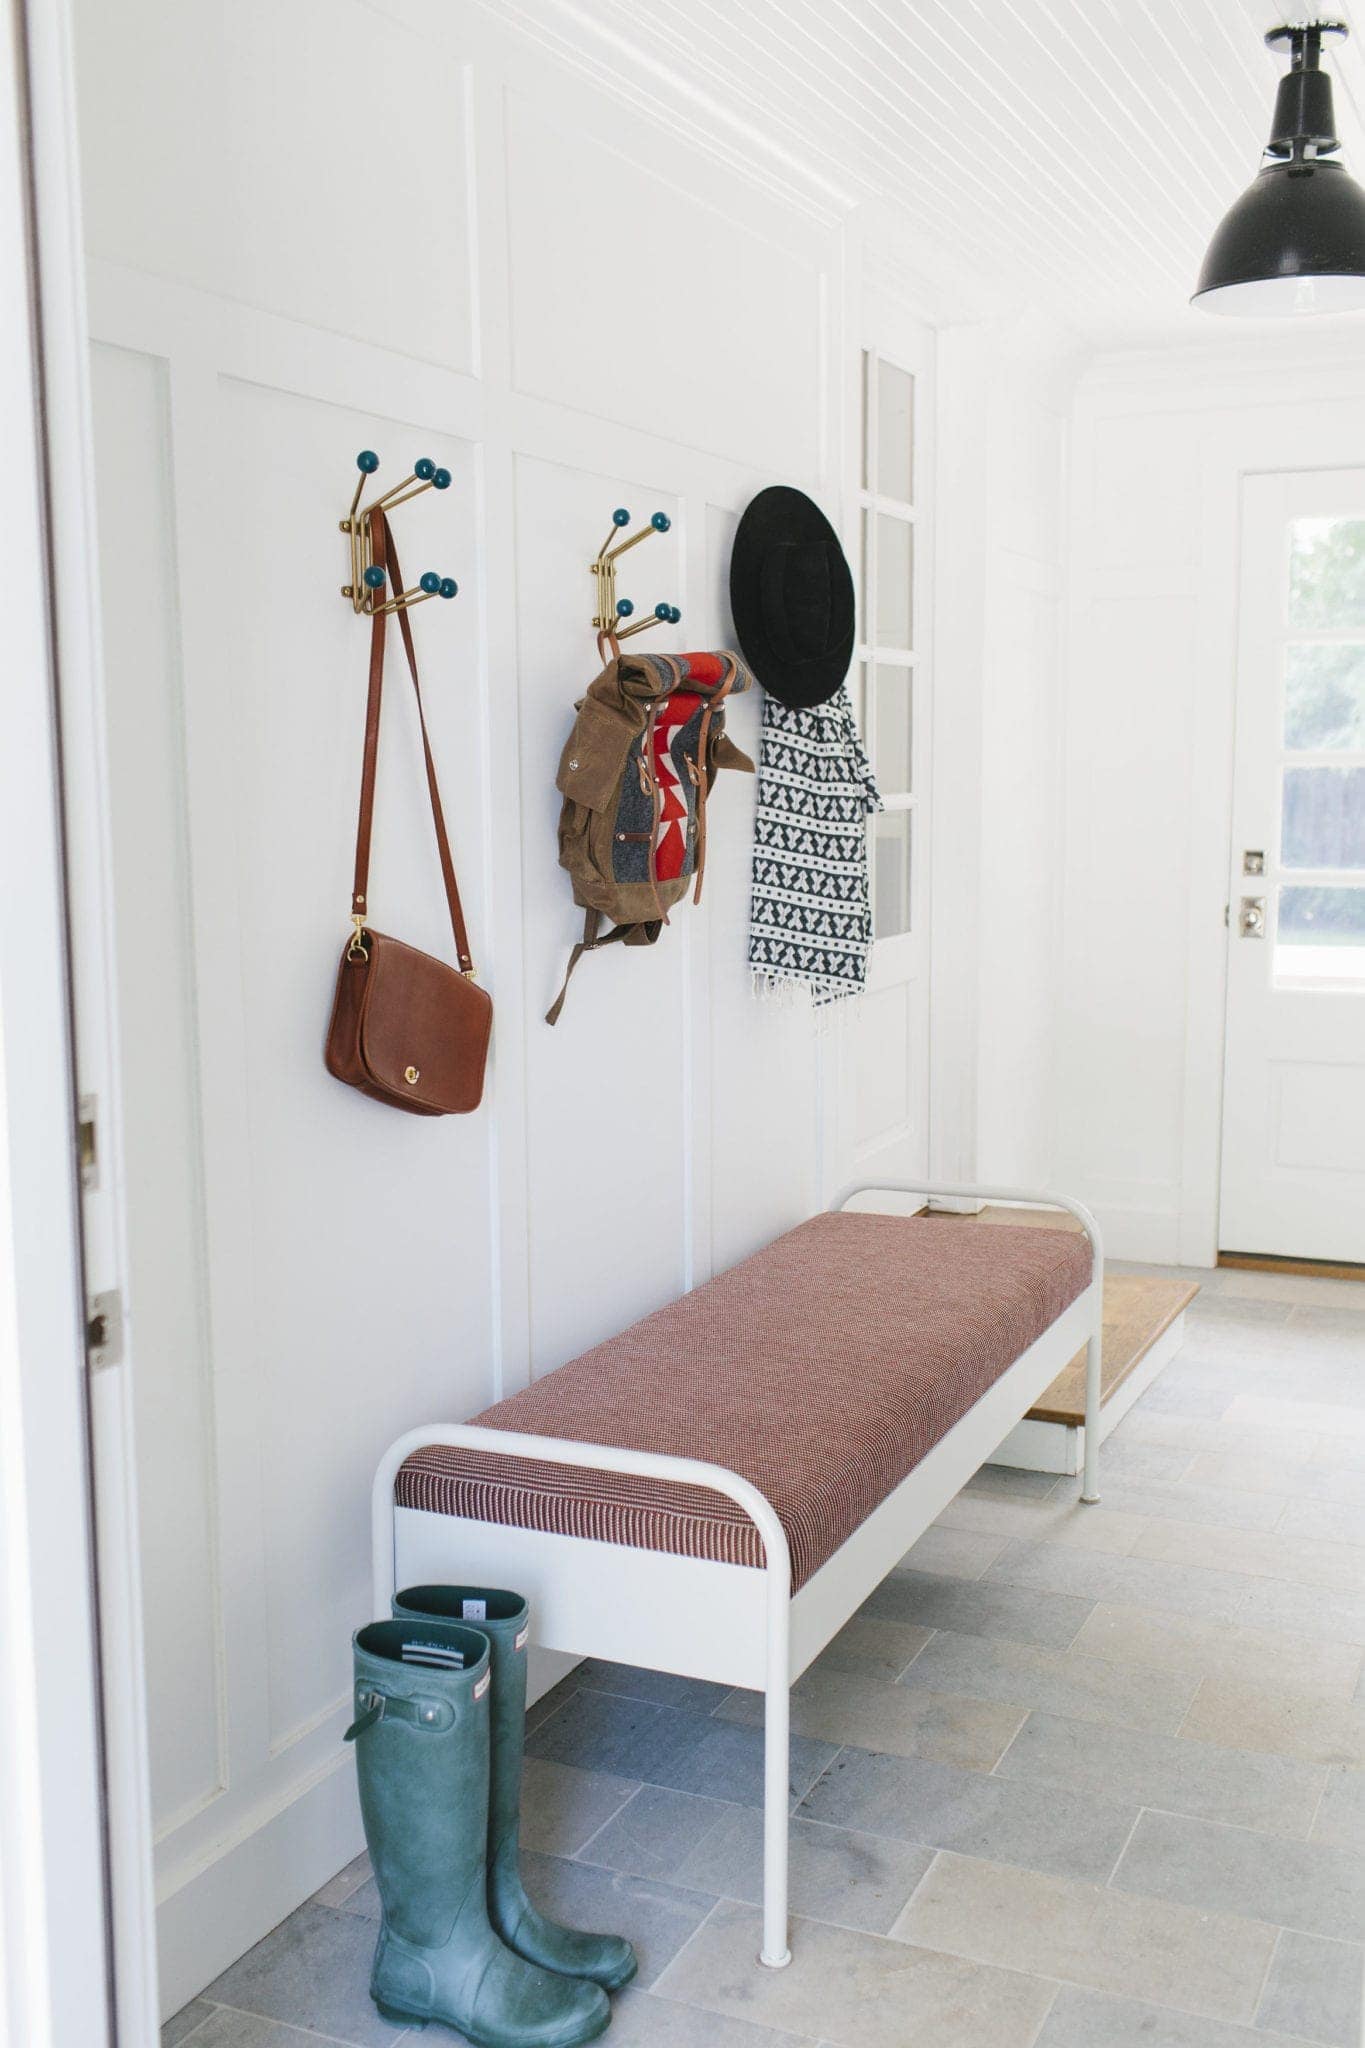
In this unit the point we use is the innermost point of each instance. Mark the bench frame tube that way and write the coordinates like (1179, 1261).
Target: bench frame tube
(775, 1952)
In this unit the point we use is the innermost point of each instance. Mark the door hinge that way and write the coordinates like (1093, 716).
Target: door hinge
(104, 1330)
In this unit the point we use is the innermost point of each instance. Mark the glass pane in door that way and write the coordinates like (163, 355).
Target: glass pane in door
(1324, 694)
(1321, 935)
(1323, 818)
(890, 873)
(895, 581)
(892, 690)
(1327, 573)
(895, 433)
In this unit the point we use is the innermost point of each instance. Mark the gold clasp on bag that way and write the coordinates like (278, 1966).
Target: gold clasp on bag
(358, 950)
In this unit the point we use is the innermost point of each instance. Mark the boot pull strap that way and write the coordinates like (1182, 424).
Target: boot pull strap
(431, 1715)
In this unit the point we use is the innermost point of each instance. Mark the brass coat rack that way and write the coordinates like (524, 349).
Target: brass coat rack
(611, 609)
(367, 578)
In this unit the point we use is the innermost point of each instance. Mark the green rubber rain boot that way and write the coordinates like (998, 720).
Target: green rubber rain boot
(421, 1737)
(608, 1959)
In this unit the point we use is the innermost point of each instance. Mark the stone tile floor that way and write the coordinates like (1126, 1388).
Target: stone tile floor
(1073, 1778)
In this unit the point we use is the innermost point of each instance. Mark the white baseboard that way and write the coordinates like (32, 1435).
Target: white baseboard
(1035, 1446)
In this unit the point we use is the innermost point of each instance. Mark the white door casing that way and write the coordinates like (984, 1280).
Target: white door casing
(1293, 1161)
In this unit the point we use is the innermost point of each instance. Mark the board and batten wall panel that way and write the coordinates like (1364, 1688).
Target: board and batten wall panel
(314, 1273)
(636, 299)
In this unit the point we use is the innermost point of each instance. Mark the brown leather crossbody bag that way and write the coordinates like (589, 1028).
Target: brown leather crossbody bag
(406, 1028)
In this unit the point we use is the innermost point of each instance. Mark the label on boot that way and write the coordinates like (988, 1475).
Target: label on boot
(482, 1686)
(523, 1637)
(439, 1654)
(473, 1610)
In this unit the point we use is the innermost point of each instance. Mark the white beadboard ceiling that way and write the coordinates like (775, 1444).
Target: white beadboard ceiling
(1070, 155)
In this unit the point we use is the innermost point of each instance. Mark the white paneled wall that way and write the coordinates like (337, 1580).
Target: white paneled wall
(314, 231)
(1160, 448)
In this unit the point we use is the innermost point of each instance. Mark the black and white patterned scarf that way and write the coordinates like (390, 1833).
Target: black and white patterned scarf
(810, 917)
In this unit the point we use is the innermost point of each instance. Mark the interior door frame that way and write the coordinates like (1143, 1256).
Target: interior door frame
(77, 1925)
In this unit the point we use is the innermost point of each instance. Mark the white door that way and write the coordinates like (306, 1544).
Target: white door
(1293, 1176)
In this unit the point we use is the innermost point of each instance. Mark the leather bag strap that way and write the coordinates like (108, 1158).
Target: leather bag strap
(385, 557)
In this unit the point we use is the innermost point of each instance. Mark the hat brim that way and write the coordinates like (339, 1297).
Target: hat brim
(783, 516)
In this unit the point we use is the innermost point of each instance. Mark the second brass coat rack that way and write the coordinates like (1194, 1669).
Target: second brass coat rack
(611, 609)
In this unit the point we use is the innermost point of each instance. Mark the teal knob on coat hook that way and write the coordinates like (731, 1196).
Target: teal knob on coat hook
(448, 586)
(664, 612)
(674, 615)
(661, 522)
(624, 607)
(431, 583)
(620, 517)
(424, 468)
(367, 461)
(441, 479)
(374, 578)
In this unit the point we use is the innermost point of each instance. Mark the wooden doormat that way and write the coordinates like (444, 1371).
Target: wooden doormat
(1138, 1307)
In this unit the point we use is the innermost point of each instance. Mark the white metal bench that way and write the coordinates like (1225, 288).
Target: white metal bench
(732, 1623)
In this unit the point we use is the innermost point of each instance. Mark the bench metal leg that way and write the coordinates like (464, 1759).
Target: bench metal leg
(1090, 1478)
(776, 1798)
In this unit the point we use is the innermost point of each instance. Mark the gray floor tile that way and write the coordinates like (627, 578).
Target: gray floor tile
(338, 1889)
(1258, 1553)
(1199, 1962)
(978, 1607)
(1180, 1500)
(1039, 1827)
(881, 1649)
(184, 2022)
(855, 1990)
(562, 1808)
(1191, 1648)
(837, 1875)
(655, 1832)
(954, 1553)
(1059, 1519)
(876, 1713)
(669, 1746)
(641, 2019)
(1095, 2019)
(1341, 1816)
(1011, 1482)
(550, 1702)
(1303, 1610)
(1057, 1681)
(1330, 1521)
(1312, 1886)
(227, 2028)
(1061, 1570)
(1137, 1768)
(1168, 1396)
(314, 1972)
(1125, 1459)
(1267, 1716)
(1314, 1990)
(657, 1918)
(665, 1688)
(1228, 1310)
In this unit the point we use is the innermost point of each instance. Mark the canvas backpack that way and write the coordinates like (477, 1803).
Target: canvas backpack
(646, 746)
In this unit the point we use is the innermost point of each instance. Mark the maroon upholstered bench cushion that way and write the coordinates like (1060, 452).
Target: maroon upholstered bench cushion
(822, 1369)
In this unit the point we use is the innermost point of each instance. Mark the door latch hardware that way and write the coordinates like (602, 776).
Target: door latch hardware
(104, 1330)
(1251, 919)
(88, 1142)
(1253, 861)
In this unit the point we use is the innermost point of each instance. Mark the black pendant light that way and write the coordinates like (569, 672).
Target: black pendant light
(1295, 240)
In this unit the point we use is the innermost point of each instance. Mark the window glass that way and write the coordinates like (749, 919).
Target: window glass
(1321, 935)
(892, 692)
(1327, 573)
(1324, 694)
(1323, 818)
(895, 433)
(890, 873)
(895, 581)
(867, 422)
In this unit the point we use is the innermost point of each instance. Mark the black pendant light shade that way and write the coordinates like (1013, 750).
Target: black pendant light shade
(1295, 240)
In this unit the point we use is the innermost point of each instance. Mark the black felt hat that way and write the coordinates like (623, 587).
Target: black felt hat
(791, 596)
